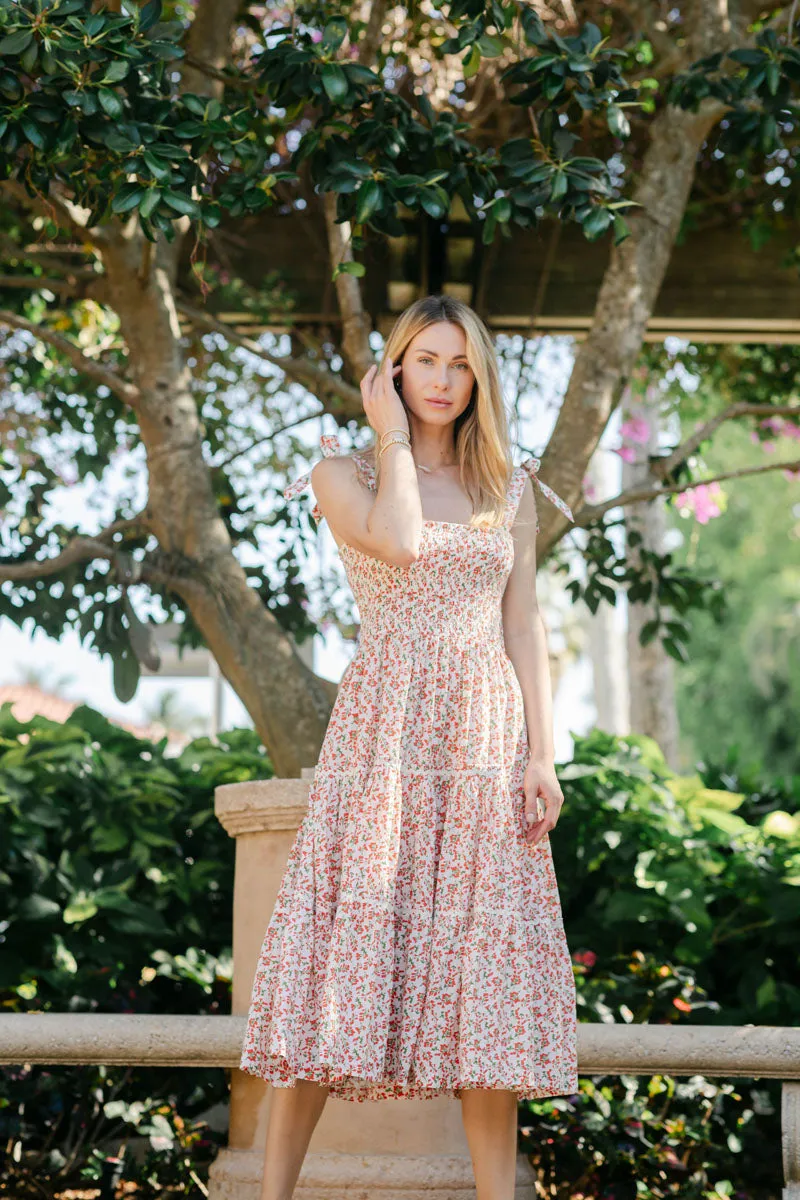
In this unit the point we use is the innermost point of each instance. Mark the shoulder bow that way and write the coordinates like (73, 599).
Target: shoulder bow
(531, 465)
(330, 446)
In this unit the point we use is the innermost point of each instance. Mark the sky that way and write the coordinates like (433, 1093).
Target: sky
(80, 674)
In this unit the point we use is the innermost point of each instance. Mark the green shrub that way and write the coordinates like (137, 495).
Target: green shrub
(680, 899)
(116, 885)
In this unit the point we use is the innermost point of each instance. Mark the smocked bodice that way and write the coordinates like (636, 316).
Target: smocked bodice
(453, 588)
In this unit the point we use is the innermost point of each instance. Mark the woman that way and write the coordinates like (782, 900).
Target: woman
(417, 946)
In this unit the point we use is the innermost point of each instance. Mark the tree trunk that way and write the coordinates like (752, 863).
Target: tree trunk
(633, 279)
(606, 640)
(651, 671)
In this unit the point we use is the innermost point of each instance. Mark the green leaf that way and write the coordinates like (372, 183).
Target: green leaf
(150, 202)
(80, 908)
(472, 62)
(648, 632)
(181, 204)
(435, 201)
(596, 223)
(15, 43)
(37, 908)
(195, 104)
(502, 209)
(32, 133)
(368, 200)
(558, 187)
(676, 650)
(126, 676)
(150, 15)
(110, 839)
(750, 58)
(621, 229)
(128, 197)
(334, 82)
(28, 57)
(165, 50)
(489, 45)
(110, 103)
(353, 268)
(334, 33)
(157, 169)
(116, 71)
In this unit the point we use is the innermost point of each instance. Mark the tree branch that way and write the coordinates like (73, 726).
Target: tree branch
(84, 285)
(646, 491)
(665, 466)
(54, 207)
(356, 324)
(209, 47)
(86, 549)
(114, 382)
(310, 376)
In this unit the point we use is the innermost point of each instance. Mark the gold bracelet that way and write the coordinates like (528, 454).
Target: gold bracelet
(394, 430)
(395, 441)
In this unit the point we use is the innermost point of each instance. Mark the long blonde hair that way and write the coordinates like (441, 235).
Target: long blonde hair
(482, 440)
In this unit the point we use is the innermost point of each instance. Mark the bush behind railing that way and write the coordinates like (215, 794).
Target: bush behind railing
(681, 899)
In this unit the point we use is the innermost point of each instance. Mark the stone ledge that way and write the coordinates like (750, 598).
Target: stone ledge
(728, 1051)
(262, 805)
(236, 1175)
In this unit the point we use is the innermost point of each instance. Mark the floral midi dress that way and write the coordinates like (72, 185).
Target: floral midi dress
(417, 945)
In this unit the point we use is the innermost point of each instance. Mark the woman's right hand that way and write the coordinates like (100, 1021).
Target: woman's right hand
(382, 405)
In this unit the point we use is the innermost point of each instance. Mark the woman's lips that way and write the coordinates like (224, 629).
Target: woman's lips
(439, 403)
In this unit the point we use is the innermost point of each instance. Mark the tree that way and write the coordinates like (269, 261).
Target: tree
(126, 134)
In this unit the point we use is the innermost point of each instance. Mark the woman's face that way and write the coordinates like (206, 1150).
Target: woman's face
(436, 380)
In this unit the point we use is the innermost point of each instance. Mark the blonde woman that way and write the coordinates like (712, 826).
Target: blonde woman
(417, 944)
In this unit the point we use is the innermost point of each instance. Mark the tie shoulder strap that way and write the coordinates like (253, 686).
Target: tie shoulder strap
(530, 466)
(330, 446)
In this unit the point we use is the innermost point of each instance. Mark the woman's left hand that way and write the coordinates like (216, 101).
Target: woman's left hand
(540, 780)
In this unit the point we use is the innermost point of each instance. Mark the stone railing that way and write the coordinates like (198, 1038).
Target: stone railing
(395, 1148)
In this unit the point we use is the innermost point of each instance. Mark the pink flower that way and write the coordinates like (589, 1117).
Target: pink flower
(316, 35)
(789, 474)
(636, 429)
(700, 500)
(627, 453)
(769, 447)
(587, 957)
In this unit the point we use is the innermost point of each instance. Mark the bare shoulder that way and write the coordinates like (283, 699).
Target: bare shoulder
(337, 480)
(525, 518)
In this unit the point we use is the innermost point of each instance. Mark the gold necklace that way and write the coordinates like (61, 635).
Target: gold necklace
(431, 470)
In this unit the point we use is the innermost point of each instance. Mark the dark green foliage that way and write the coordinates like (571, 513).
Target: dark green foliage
(680, 895)
(91, 102)
(681, 902)
(116, 887)
(758, 84)
(675, 591)
(89, 98)
(113, 861)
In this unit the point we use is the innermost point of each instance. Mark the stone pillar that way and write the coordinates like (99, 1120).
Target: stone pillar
(790, 1138)
(373, 1150)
